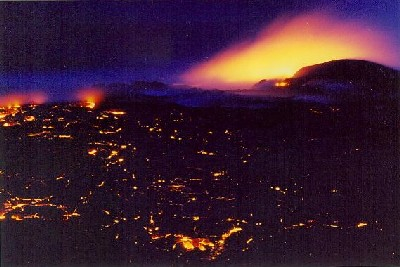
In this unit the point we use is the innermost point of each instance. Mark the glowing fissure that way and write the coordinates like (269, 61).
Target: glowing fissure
(290, 44)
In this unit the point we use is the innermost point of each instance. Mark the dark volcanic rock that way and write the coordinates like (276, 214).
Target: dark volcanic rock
(358, 77)
(143, 85)
(348, 70)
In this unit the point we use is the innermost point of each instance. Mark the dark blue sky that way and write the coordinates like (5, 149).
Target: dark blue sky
(155, 38)
(74, 35)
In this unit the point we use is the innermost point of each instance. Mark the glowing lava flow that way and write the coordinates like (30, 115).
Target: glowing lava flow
(290, 44)
(214, 247)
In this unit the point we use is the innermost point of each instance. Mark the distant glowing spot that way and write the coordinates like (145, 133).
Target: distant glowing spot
(16, 218)
(289, 44)
(202, 152)
(361, 224)
(92, 152)
(217, 174)
(64, 136)
(281, 84)
(117, 112)
(113, 154)
(29, 118)
(90, 97)
(67, 216)
(90, 104)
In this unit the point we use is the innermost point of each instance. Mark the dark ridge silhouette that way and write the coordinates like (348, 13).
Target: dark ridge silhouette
(355, 74)
(346, 69)
(148, 85)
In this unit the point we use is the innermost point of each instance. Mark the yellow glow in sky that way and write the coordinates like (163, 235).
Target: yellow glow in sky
(287, 45)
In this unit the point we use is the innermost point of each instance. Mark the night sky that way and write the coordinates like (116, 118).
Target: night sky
(152, 39)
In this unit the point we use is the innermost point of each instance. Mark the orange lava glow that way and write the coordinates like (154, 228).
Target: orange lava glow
(90, 97)
(289, 44)
(361, 224)
(281, 84)
(37, 98)
(11, 100)
(190, 244)
(18, 99)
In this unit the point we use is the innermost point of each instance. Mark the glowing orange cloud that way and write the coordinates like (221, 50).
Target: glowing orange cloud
(90, 97)
(37, 98)
(17, 99)
(12, 100)
(290, 44)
